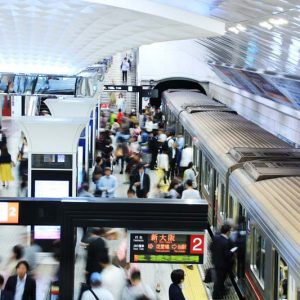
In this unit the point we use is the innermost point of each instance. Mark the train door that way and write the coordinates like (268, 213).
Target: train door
(232, 209)
(241, 241)
(283, 289)
(197, 164)
(220, 205)
(208, 176)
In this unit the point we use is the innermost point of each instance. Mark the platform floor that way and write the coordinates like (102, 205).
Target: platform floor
(152, 274)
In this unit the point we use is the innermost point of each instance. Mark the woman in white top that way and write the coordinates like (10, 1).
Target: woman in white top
(186, 158)
(163, 161)
(190, 174)
(149, 124)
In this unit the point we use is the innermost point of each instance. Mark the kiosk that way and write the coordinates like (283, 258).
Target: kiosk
(52, 155)
(79, 108)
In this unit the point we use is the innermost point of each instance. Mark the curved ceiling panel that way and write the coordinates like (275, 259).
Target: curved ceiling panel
(63, 37)
(261, 35)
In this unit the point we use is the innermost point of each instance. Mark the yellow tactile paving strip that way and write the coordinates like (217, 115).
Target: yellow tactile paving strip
(193, 287)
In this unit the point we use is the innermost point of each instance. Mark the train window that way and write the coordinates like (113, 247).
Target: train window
(258, 255)
(207, 175)
(232, 209)
(221, 199)
(282, 279)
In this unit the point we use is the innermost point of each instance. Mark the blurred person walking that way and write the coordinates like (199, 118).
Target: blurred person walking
(16, 256)
(97, 252)
(190, 192)
(22, 286)
(22, 157)
(97, 291)
(6, 165)
(142, 182)
(190, 174)
(3, 138)
(125, 67)
(113, 278)
(175, 289)
(222, 257)
(107, 184)
(186, 158)
(137, 289)
(4, 295)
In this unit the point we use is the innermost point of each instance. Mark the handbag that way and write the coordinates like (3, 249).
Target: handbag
(83, 288)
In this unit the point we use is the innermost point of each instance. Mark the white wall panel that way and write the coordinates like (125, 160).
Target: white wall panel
(179, 59)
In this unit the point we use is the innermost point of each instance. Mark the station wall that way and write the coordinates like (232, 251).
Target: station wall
(278, 119)
(176, 59)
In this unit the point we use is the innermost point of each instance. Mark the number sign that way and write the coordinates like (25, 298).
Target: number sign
(9, 212)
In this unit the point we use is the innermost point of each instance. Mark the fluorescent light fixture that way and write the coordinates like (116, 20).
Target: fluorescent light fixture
(266, 25)
(240, 27)
(233, 29)
(278, 21)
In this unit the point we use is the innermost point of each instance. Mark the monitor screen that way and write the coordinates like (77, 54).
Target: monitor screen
(46, 232)
(51, 188)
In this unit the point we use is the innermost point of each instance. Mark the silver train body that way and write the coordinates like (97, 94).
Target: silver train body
(245, 171)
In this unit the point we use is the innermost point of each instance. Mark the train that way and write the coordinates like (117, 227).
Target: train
(247, 175)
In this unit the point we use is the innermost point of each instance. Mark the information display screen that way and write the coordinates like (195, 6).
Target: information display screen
(51, 161)
(166, 247)
(51, 188)
(46, 232)
(9, 212)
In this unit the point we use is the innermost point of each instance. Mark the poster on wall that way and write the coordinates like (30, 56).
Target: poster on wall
(266, 89)
(239, 80)
(290, 88)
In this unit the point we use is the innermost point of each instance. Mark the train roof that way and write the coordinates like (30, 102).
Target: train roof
(277, 205)
(181, 99)
(220, 131)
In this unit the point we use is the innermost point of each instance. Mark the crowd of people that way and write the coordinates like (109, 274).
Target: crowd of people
(137, 145)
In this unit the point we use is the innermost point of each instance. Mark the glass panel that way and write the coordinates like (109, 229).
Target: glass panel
(258, 255)
(55, 85)
(221, 199)
(105, 250)
(283, 275)
(40, 247)
(207, 174)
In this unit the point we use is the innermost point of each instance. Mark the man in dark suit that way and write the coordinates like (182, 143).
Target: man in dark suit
(97, 252)
(4, 295)
(173, 154)
(142, 183)
(21, 286)
(222, 257)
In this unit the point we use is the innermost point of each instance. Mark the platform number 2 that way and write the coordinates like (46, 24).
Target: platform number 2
(12, 212)
(197, 244)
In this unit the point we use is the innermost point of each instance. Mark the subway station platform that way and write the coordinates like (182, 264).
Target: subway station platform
(157, 276)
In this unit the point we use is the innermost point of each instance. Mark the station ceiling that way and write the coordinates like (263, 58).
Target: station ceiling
(66, 36)
(63, 37)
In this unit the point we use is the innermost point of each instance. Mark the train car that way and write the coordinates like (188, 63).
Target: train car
(225, 143)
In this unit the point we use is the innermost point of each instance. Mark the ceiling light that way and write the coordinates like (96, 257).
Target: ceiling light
(233, 29)
(266, 25)
(279, 21)
(240, 27)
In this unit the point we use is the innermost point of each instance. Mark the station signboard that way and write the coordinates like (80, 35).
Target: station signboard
(9, 212)
(166, 247)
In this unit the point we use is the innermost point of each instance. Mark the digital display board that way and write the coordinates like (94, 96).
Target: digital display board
(166, 247)
(9, 212)
(51, 188)
(46, 232)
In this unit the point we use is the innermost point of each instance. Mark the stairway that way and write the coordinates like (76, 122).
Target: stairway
(114, 76)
